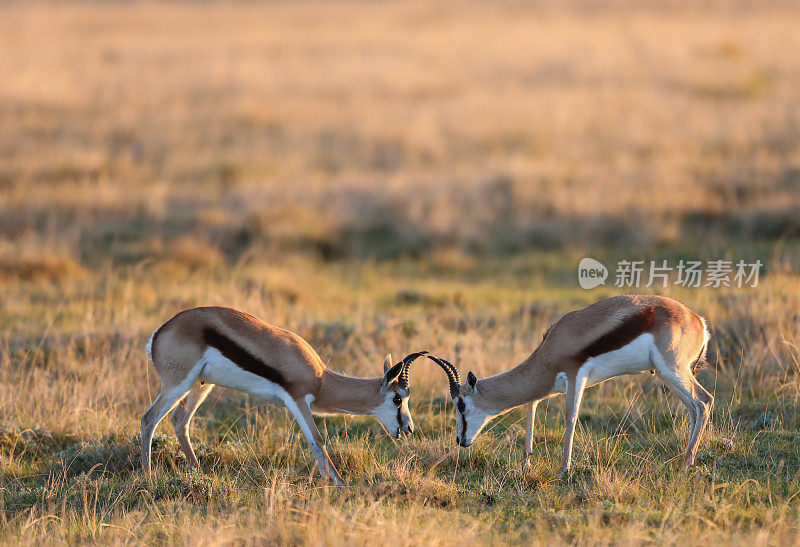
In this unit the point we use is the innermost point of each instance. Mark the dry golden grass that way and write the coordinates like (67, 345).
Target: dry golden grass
(324, 126)
(391, 177)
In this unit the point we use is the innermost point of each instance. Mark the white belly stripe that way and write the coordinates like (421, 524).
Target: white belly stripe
(220, 370)
(629, 359)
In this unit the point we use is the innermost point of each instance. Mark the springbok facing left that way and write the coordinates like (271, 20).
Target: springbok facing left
(203, 347)
(620, 335)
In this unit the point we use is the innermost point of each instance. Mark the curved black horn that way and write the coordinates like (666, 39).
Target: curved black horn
(452, 375)
(407, 360)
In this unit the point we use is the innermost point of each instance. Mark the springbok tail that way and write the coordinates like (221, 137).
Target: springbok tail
(149, 346)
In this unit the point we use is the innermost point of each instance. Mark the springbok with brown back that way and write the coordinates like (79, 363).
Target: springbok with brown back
(203, 347)
(615, 336)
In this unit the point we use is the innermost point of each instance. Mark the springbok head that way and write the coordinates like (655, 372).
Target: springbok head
(393, 412)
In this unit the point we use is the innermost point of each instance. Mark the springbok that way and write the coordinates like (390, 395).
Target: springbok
(203, 347)
(615, 336)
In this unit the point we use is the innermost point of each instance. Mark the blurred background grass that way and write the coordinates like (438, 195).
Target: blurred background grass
(207, 134)
(377, 177)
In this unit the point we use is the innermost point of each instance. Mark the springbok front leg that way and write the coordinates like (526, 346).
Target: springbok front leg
(182, 416)
(575, 387)
(530, 415)
(302, 413)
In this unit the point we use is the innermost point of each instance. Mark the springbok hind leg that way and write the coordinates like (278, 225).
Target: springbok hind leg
(704, 402)
(695, 398)
(166, 401)
(182, 416)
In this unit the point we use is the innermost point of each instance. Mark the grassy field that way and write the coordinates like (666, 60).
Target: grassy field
(388, 177)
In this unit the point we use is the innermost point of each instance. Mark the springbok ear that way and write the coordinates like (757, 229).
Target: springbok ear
(472, 380)
(392, 374)
(387, 362)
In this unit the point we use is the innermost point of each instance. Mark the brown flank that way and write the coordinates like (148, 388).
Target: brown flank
(241, 357)
(625, 333)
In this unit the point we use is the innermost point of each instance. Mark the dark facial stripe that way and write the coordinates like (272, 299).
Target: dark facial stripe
(627, 331)
(461, 408)
(400, 417)
(241, 357)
